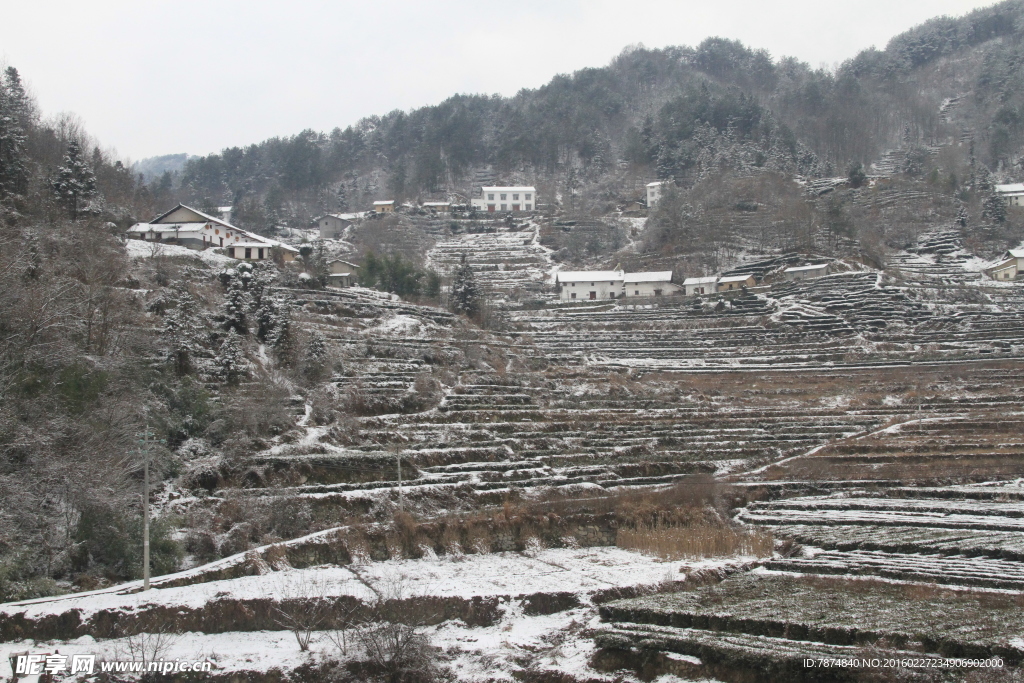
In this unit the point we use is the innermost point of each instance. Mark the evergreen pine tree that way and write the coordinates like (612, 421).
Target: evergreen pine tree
(183, 330)
(465, 294)
(342, 198)
(236, 307)
(315, 359)
(15, 115)
(231, 361)
(74, 181)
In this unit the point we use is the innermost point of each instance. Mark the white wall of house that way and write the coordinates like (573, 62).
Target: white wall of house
(596, 289)
(654, 192)
(494, 199)
(699, 286)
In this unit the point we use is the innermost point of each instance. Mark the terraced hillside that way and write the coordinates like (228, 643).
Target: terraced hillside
(506, 259)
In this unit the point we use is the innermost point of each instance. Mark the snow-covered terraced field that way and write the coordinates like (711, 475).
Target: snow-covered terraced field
(767, 622)
(504, 260)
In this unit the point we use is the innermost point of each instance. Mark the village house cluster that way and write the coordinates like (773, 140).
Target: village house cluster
(188, 227)
(615, 284)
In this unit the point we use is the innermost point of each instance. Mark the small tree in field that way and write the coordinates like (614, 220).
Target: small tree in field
(465, 294)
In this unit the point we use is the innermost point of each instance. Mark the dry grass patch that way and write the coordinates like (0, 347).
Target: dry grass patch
(695, 542)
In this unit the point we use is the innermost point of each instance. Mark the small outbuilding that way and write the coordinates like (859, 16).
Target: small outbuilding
(333, 225)
(438, 207)
(730, 283)
(341, 273)
(697, 286)
(807, 272)
(384, 206)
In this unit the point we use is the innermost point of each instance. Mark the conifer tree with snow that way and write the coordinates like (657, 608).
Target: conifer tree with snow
(231, 362)
(74, 181)
(315, 359)
(236, 307)
(465, 294)
(15, 117)
(183, 330)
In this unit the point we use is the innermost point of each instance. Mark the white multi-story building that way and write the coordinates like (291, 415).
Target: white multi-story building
(654, 192)
(504, 199)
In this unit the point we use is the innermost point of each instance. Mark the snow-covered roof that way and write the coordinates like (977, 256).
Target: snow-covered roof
(659, 276)
(502, 188)
(338, 260)
(263, 245)
(589, 275)
(384, 202)
(437, 203)
(225, 209)
(656, 183)
(710, 279)
(1015, 253)
(341, 216)
(735, 278)
(169, 227)
(797, 269)
(1011, 188)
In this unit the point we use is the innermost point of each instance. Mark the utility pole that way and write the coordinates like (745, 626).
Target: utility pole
(145, 509)
(401, 496)
(144, 451)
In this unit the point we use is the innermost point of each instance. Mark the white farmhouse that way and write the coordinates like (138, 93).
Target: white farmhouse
(649, 284)
(654, 192)
(806, 272)
(499, 198)
(590, 284)
(612, 284)
(194, 229)
(1012, 194)
(697, 286)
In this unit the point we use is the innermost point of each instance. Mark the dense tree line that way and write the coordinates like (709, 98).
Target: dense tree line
(669, 112)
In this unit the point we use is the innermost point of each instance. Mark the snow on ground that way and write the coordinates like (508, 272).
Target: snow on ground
(140, 249)
(515, 643)
(397, 324)
(582, 570)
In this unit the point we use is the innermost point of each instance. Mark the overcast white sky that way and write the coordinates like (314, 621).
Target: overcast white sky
(154, 77)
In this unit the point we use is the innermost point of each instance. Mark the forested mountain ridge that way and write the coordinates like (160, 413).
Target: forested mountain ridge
(653, 113)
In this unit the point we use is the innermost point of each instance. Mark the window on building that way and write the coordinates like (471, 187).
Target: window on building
(515, 197)
(261, 254)
(490, 197)
(504, 196)
(573, 295)
(504, 207)
(528, 207)
(248, 252)
(636, 292)
(527, 196)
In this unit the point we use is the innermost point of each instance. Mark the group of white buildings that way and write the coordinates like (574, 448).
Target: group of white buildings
(615, 284)
(188, 227)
